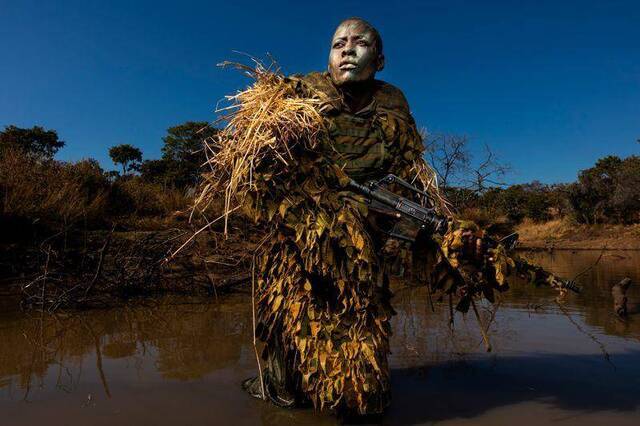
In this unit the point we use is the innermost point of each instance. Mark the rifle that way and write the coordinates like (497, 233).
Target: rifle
(427, 218)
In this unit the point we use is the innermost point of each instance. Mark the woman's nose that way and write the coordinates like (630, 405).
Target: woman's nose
(349, 50)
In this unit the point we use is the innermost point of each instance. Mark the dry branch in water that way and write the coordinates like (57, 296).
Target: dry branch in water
(619, 295)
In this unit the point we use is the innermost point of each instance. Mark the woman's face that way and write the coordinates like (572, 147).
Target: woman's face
(354, 55)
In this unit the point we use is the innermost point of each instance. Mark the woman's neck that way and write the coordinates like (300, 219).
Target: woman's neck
(357, 95)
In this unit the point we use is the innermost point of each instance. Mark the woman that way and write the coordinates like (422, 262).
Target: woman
(289, 150)
(323, 298)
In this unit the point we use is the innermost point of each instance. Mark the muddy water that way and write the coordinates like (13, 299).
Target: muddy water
(180, 361)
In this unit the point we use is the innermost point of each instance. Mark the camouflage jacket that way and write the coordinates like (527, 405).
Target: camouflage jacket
(379, 139)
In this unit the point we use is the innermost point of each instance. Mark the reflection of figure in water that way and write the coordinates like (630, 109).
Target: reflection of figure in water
(323, 296)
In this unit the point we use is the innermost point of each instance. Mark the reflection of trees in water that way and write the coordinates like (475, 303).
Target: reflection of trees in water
(184, 340)
(32, 344)
(423, 336)
(188, 340)
(194, 344)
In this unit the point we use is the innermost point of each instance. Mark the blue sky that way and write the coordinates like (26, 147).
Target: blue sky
(550, 86)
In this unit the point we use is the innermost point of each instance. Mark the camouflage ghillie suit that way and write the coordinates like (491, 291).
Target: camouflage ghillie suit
(322, 295)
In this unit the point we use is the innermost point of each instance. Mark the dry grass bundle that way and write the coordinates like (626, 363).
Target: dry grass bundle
(425, 176)
(265, 120)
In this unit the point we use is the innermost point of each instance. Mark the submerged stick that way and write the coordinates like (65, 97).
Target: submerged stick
(451, 320)
(433, 309)
(590, 335)
(485, 336)
(96, 342)
(253, 311)
(593, 265)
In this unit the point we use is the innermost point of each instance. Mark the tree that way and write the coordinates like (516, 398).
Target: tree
(449, 156)
(183, 151)
(128, 156)
(155, 171)
(182, 155)
(608, 192)
(625, 199)
(184, 141)
(36, 142)
(462, 178)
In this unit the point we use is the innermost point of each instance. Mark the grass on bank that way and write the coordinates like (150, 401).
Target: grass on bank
(59, 195)
(565, 233)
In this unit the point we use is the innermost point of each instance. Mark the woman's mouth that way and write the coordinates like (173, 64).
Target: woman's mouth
(347, 66)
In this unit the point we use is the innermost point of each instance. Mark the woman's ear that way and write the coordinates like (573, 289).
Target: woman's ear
(380, 64)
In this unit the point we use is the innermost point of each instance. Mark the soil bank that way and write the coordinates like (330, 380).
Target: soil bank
(561, 234)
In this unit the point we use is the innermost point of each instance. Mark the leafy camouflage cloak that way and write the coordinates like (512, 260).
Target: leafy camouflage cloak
(322, 299)
(322, 293)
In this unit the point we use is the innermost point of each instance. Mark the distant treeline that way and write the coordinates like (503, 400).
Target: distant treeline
(36, 188)
(608, 192)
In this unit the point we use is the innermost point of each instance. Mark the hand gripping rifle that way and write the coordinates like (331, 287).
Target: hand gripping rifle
(378, 195)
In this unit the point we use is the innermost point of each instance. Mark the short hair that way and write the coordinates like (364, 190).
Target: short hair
(376, 35)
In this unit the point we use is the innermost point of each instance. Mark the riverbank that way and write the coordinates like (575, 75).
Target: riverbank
(102, 268)
(561, 234)
(98, 268)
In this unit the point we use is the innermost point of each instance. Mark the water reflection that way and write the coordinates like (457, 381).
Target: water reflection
(175, 359)
(596, 303)
(186, 339)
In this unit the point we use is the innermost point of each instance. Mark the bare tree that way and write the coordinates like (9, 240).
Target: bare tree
(449, 156)
(461, 176)
(489, 172)
(454, 164)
